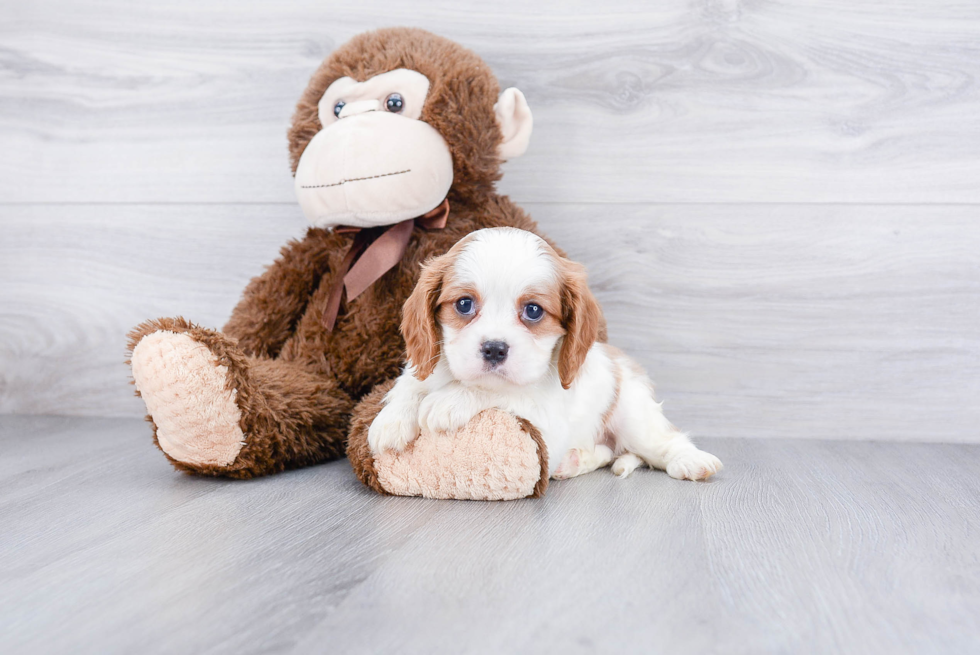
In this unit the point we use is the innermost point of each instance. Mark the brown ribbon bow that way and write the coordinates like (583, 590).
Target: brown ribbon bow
(375, 251)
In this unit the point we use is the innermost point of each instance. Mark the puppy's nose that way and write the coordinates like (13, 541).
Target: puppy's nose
(494, 352)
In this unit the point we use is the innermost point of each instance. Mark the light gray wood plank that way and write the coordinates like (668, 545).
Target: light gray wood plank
(76, 279)
(674, 101)
(838, 322)
(844, 322)
(797, 546)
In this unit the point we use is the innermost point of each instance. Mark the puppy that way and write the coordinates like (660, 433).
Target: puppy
(502, 321)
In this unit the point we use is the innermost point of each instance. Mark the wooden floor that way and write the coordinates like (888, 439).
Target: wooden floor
(798, 546)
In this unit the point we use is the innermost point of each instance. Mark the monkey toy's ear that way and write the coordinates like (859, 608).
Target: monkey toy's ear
(514, 118)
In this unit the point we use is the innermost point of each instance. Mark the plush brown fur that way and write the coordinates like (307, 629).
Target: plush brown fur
(297, 383)
(358, 450)
(543, 478)
(301, 418)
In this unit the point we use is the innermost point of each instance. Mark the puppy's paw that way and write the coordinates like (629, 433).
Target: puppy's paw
(393, 428)
(579, 461)
(570, 465)
(625, 464)
(440, 413)
(693, 465)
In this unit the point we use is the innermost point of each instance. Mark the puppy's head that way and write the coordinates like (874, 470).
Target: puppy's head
(501, 307)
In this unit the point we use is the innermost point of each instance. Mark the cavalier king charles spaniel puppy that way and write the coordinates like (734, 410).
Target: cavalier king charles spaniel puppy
(502, 321)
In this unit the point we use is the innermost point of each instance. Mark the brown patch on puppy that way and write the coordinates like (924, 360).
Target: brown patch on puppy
(420, 327)
(447, 314)
(580, 315)
(581, 318)
(550, 301)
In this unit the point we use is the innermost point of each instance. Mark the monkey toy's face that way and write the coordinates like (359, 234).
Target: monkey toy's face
(376, 162)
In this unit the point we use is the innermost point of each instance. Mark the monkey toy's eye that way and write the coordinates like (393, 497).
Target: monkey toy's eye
(338, 107)
(465, 306)
(532, 312)
(394, 103)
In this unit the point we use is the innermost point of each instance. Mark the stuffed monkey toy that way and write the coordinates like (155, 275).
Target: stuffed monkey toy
(396, 146)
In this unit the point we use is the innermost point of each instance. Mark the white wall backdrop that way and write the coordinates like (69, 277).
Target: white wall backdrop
(779, 203)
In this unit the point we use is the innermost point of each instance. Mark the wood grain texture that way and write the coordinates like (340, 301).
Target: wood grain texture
(842, 322)
(77, 279)
(673, 101)
(797, 546)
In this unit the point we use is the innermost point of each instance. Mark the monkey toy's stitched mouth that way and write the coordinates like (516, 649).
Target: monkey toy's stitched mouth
(355, 179)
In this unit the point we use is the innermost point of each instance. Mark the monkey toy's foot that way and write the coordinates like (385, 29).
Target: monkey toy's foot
(187, 393)
(219, 412)
(495, 456)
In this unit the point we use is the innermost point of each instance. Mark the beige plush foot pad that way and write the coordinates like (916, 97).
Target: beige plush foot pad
(493, 457)
(183, 386)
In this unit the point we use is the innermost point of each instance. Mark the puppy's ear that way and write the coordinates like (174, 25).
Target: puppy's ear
(581, 318)
(419, 326)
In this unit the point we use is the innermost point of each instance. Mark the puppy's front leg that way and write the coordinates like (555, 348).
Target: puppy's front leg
(451, 407)
(396, 425)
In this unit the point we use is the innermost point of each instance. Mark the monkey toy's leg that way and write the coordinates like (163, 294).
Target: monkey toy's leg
(219, 402)
(217, 411)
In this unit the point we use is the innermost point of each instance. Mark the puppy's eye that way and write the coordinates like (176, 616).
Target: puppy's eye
(394, 103)
(532, 312)
(337, 108)
(465, 306)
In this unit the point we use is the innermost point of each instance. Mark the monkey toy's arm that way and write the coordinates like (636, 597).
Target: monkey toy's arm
(275, 300)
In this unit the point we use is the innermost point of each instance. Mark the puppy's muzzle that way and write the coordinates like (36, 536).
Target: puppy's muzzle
(494, 352)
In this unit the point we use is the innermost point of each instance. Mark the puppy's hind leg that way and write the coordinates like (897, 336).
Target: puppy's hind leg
(579, 461)
(642, 429)
(626, 464)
